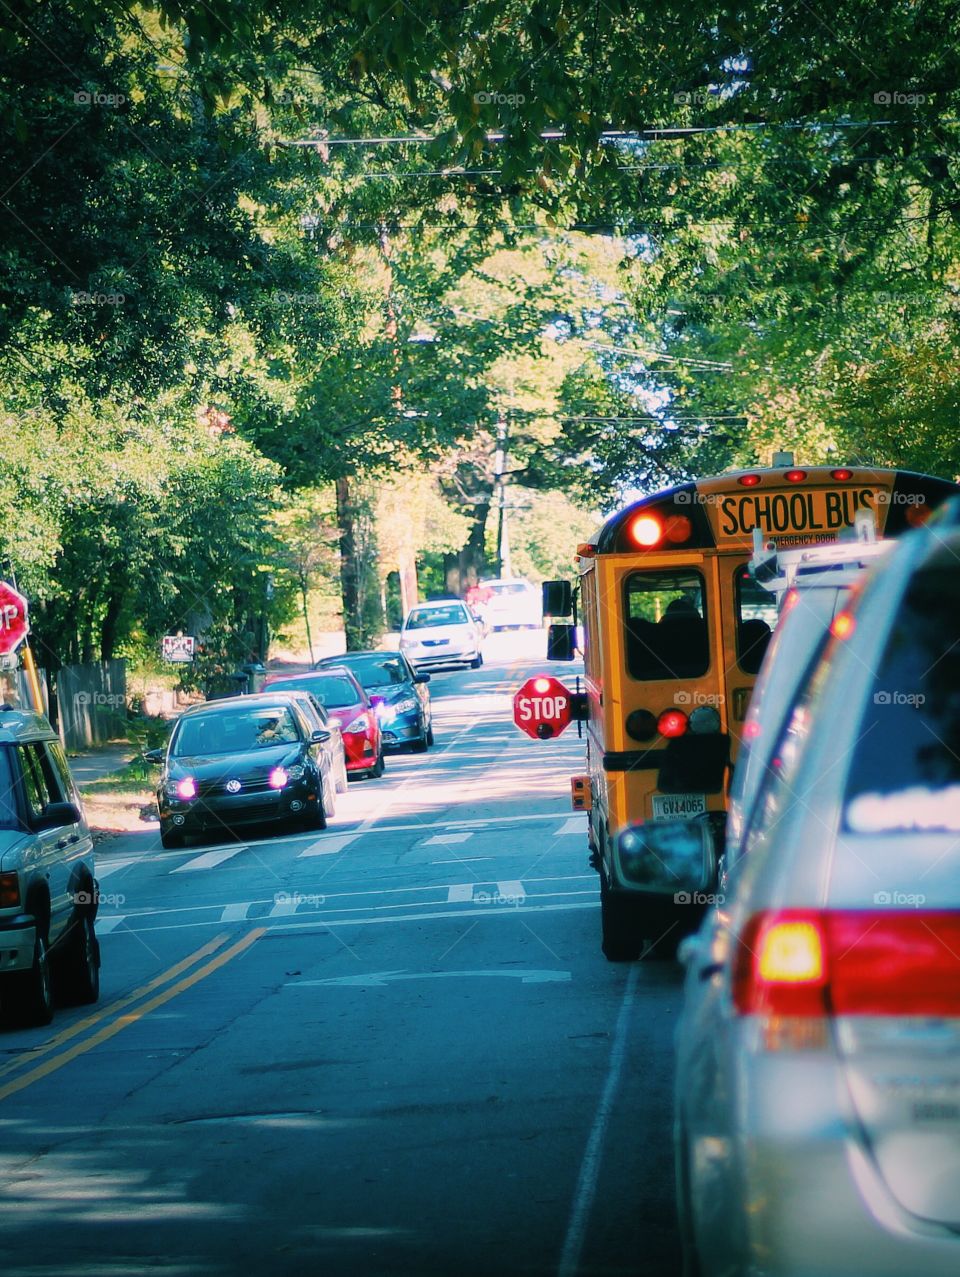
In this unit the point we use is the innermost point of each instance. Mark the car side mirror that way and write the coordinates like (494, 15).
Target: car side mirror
(319, 737)
(561, 641)
(557, 598)
(421, 678)
(154, 755)
(670, 857)
(56, 815)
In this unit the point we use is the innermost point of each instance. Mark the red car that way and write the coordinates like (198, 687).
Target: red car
(337, 690)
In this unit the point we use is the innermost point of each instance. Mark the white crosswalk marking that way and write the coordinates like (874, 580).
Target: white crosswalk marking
(329, 846)
(573, 825)
(209, 859)
(234, 913)
(511, 890)
(105, 925)
(107, 867)
(285, 907)
(460, 892)
(446, 839)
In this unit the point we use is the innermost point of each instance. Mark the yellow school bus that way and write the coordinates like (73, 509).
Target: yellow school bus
(674, 632)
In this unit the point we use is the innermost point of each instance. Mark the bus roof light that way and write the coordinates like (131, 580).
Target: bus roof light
(842, 475)
(795, 476)
(749, 480)
(646, 530)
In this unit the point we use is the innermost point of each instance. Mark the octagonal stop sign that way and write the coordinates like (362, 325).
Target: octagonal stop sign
(541, 707)
(13, 619)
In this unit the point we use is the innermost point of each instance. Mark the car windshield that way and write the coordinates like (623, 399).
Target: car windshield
(331, 690)
(375, 671)
(428, 617)
(8, 802)
(234, 731)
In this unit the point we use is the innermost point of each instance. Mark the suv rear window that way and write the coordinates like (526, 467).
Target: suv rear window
(905, 771)
(8, 800)
(665, 625)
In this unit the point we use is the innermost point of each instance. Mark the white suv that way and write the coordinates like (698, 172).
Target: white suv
(48, 893)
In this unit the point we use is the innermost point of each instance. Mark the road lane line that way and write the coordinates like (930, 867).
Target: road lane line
(127, 1000)
(124, 1021)
(439, 840)
(590, 1166)
(329, 846)
(210, 858)
(460, 892)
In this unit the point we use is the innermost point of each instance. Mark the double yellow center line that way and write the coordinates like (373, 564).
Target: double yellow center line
(63, 1048)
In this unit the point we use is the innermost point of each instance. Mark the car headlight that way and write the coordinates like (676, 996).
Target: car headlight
(360, 724)
(296, 772)
(279, 777)
(406, 706)
(185, 787)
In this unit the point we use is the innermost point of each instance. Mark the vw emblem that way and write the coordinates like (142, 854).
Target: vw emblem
(233, 787)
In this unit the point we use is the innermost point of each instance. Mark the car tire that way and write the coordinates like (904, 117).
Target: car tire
(379, 767)
(430, 736)
(419, 746)
(691, 1260)
(477, 661)
(621, 939)
(29, 994)
(315, 815)
(170, 839)
(78, 968)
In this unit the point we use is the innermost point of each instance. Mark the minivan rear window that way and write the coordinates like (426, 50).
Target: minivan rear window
(905, 770)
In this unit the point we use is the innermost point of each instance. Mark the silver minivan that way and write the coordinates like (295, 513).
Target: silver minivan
(817, 1126)
(48, 893)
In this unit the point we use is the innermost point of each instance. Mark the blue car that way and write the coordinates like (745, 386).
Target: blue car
(399, 694)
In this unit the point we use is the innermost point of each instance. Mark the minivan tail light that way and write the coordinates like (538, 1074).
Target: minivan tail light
(888, 961)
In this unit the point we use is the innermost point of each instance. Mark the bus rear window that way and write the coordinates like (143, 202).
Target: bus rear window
(666, 625)
(756, 618)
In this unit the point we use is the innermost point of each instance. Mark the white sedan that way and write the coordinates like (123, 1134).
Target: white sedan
(442, 633)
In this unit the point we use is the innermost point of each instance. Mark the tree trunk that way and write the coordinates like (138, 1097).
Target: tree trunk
(306, 616)
(473, 557)
(349, 567)
(108, 626)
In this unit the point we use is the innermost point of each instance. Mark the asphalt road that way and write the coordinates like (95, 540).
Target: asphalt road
(393, 1047)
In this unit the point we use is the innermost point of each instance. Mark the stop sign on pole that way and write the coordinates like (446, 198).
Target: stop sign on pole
(541, 707)
(13, 619)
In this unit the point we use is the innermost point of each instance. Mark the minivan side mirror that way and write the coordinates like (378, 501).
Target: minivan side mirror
(561, 641)
(56, 815)
(557, 598)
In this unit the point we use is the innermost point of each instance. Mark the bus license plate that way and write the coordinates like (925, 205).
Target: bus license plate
(678, 806)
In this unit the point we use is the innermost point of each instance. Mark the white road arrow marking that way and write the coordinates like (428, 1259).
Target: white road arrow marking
(379, 979)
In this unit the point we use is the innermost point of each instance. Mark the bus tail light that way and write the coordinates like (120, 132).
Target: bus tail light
(672, 723)
(818, 963)
(641, 724)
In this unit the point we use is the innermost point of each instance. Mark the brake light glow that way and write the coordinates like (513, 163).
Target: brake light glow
(841, 475)
(749, 480)
(842, 625)
(672, 723)
(646, 530)
(818, 963)
(187, 788)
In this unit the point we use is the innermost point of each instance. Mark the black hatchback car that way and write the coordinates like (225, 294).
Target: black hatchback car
(398, 693)
(243, 761)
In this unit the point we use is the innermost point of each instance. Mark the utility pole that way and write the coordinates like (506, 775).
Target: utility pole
(500, 483)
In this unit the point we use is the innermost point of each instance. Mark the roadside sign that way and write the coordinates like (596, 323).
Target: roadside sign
(179, 647)
(541, 707)
(13, 619)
